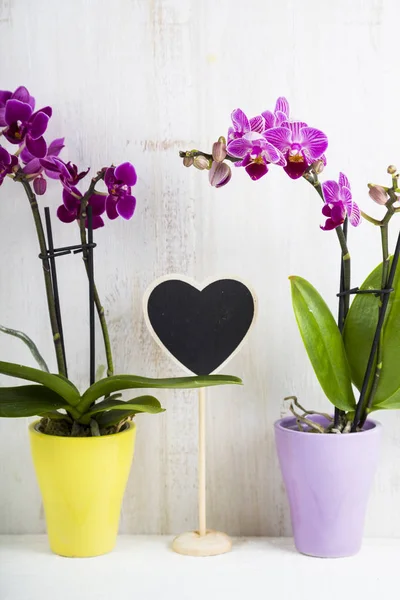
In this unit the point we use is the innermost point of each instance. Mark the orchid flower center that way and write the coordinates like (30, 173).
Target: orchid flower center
(295, 154)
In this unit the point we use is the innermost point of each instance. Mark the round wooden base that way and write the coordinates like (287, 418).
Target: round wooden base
(192, 543)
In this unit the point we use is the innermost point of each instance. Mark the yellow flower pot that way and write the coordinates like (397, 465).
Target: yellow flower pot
(82, 481)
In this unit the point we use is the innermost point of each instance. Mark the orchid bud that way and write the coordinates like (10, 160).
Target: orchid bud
(201, 163)
(378, 194)
(40, 185)
(219, 150)
(318, 166)
(220, 174)
(188, 161)
(391, 169)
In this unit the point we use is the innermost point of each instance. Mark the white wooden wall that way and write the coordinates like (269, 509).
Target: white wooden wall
(138, 80)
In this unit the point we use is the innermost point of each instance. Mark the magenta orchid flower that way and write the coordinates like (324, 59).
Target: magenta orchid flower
(7, 163)
(33, 164)
(119, 181)
(68, 173)
(339, 204)
(301, 145)
(247, 142)
(21, 123)
(279, 116)
(69, 211)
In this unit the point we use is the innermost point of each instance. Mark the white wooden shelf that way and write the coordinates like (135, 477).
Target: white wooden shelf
(144, 568)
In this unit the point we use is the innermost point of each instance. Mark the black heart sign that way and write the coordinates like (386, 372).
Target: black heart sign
(200, 326)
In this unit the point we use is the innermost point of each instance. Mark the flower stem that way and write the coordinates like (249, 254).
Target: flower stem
(345, 275)
(97, 301)
(46, 272)
(194, 153)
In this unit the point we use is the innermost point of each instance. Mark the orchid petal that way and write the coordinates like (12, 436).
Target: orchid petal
(98, 204)
(5, 157)
(354, 215)
(282, 105)
(296, 128)
(17, 111)
(55, 147)
(338, 213)
(295, 169)
(240, 121)
(269, 119)
(36, 147)
(70, 201)
(329, 225)
(66, 216)
(314, 142)
(273, 155)
(343, 181)
(346, 195)
(21, 94)
(109, 178)
(326, 210)
(280, 137)
(111, 207)
(126, 173)
(256, 170)
(4, 96)
(239, 148)
(126, 206)
(97, 222)
(280, 117)
(38, 125)
(257, 124)
(330, 191)
(33, 166)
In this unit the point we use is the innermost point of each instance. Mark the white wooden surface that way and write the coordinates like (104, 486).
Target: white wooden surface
(138, 80)
(146, 567)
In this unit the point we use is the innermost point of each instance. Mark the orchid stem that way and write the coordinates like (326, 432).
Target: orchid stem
(46, 272)
(194, 153)
(345, 274)
(98, 304)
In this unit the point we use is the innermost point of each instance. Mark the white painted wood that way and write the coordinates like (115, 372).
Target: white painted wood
(138, 80)
(146, 567)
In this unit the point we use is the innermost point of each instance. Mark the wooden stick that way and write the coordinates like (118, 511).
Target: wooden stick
(202, 461)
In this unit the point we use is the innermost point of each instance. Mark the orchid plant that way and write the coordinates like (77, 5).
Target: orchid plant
(362, 349)
(30, 161)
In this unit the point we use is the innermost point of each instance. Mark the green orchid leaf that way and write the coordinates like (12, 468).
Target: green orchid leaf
(147, 404)
(29, 401)
(113, 417)
(117, 383)
(323, 342)
(58, 384)
(359, 332)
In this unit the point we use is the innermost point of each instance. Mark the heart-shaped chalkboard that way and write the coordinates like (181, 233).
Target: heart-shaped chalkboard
(201, 327)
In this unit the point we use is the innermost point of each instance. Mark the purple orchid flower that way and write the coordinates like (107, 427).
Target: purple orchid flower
(279, 116)
(339, 203)
(68, 173)
(21, 123)
(247, 142)
(33, 165)
(69, 211)
(301, 145)
(21, 94)
(7, 163)
(119, 181)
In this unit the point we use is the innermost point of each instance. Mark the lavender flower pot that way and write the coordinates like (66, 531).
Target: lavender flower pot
(328, 478)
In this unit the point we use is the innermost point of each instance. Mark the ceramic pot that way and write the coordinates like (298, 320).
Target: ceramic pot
(328, 478)
(82, 481)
